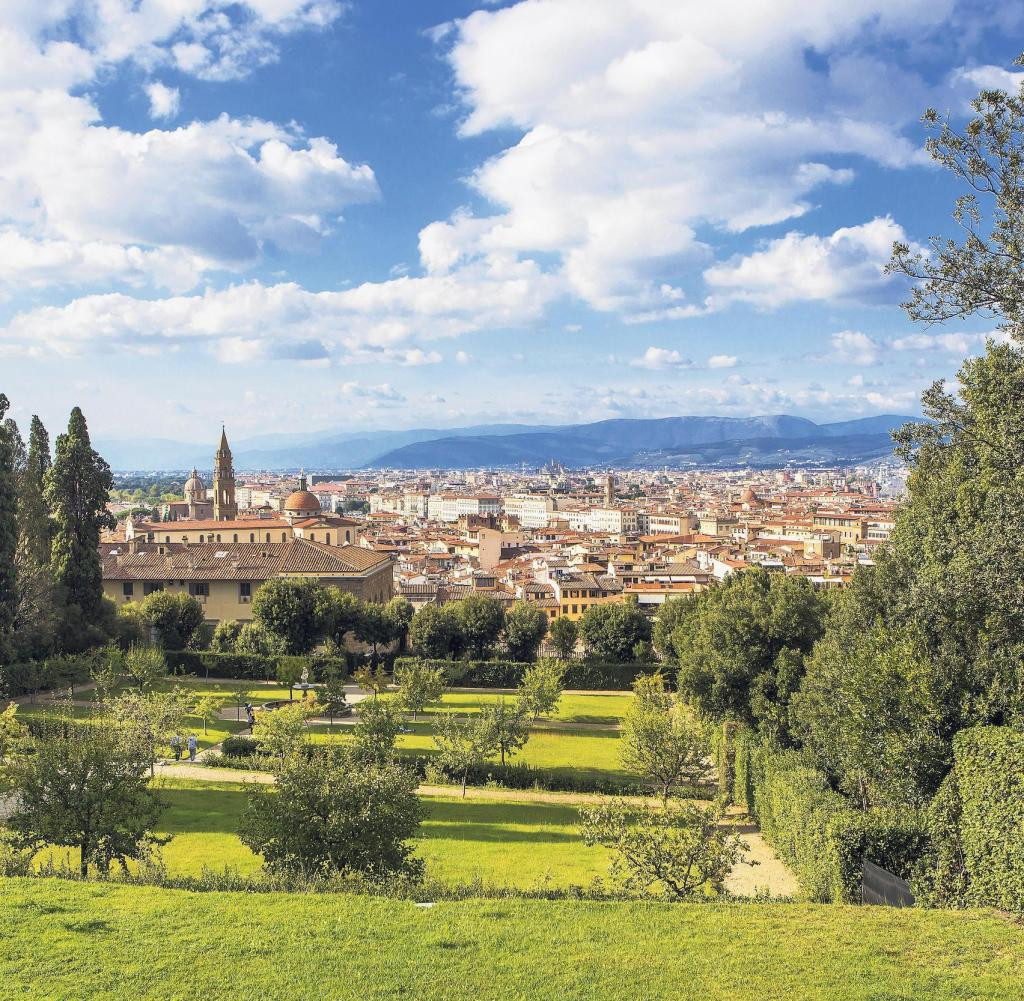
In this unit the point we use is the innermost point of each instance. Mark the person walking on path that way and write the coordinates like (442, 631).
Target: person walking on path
(176, 747)
(193, 745)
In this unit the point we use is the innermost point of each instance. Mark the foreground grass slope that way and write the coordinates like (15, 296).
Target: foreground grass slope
(69, 941)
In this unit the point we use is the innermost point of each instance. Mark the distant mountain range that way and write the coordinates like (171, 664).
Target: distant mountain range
(676, 442)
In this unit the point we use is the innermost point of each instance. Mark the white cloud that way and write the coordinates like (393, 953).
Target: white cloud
(722, 361)
(164, 101)
(407, 357)
(383, 394)
(252, 320)
(463, 357)
(954, 343)
(647, 125)
(846, 266)
(661, 358)
(855, 347)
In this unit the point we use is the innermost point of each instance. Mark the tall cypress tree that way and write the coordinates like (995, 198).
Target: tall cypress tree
(8, 523)
(77, 489)
(35, 526)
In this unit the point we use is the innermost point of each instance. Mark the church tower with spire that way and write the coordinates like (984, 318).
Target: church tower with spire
(225, 508)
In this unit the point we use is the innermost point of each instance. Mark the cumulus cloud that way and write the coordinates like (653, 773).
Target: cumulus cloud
(205, 196)
(722, 361)
(855, 347)
(380, 395)
(164, 101)
(645, 128)
(846, 266)
(661, 358)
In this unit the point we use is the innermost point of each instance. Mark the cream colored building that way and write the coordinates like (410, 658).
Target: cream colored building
(224, 576)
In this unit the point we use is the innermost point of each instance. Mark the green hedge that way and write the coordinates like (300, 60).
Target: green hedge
(251, 667)
(52, 673)
(989, 765)
(743, 771)
(817, 831)
(579, 674)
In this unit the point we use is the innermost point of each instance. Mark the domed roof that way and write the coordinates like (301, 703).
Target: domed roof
(194, 483)
(301, 500)
(749, 497)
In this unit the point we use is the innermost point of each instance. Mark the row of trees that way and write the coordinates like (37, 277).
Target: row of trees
(52, 510)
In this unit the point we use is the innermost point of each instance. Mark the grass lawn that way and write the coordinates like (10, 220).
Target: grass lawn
(508, 844)
(605, 708)
(214, 734)
(591, 753)
(71, 941)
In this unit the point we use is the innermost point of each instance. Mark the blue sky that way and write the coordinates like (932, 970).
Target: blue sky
(302, 214)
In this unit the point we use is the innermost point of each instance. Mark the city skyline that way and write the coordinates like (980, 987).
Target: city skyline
(306, 214)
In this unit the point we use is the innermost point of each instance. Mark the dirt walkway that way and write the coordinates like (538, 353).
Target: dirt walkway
(770, 874)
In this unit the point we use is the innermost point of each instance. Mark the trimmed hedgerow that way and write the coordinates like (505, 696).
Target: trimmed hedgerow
(254, 667)
(822, 837)
(579, 674)
(989, 765)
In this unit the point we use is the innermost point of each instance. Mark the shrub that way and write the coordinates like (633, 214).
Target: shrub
(822, 837)
(580, 674)
(256, 667)
(989, 763)
(239, 747)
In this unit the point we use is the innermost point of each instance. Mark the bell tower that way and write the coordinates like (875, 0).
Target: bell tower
(224, 506)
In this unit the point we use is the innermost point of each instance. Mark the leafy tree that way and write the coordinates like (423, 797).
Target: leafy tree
(333, 698)
(145, 666)
(679, 849)
(661, 739)
(463, 743)
(208, 707)
(669, 617)
(509, 726)
(398, 614)
(376, 729)
(297, 611)
(336, 814)
(433, 632)
(258, 641)
(344, 612)
(480, 619)
(541, 688)
(8, 534)
(147, 720)
(526, 625)
(225, 636)
(13, 735)
(611, 631)
(742, 644)
(563, 635)
(279, 733)
(175, 618)
(370, 679)
(85, 788)
(419, 685)
(77, 490)
(374, 627)
(289, 673)
(34, 522)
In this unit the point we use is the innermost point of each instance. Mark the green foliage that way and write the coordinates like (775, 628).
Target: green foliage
(824, 841)
(434, 632)
(509, 726)
(740, 647)
(481, 619)
(255, 640)
(84, 787)
(677, 850)
(670, 616)
(398, 613)
(941, 878)
(335, 813)
(462, 742)
(418, 684)
(525, 629)
(333, 698)
(990, 782)
(8, 533)
(562, 634)
(175, 618)
(376, 730)
(225, 636)
(280, 733)
(35, 527)
(145, 666)
(298, 611)
(872, 707)
(370, 679)
(661, 738)
(77, 490)
(255, 666)
(541, 688)
(147, 720)
(612, 631)
(586, 675)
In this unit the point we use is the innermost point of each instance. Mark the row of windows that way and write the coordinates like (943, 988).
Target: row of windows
(197, 588)
(581, 594)
(252, 537)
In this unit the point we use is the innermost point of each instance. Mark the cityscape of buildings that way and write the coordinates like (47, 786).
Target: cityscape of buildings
(561, 539)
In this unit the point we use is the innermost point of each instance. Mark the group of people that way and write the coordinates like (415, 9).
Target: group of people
(178, 746)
